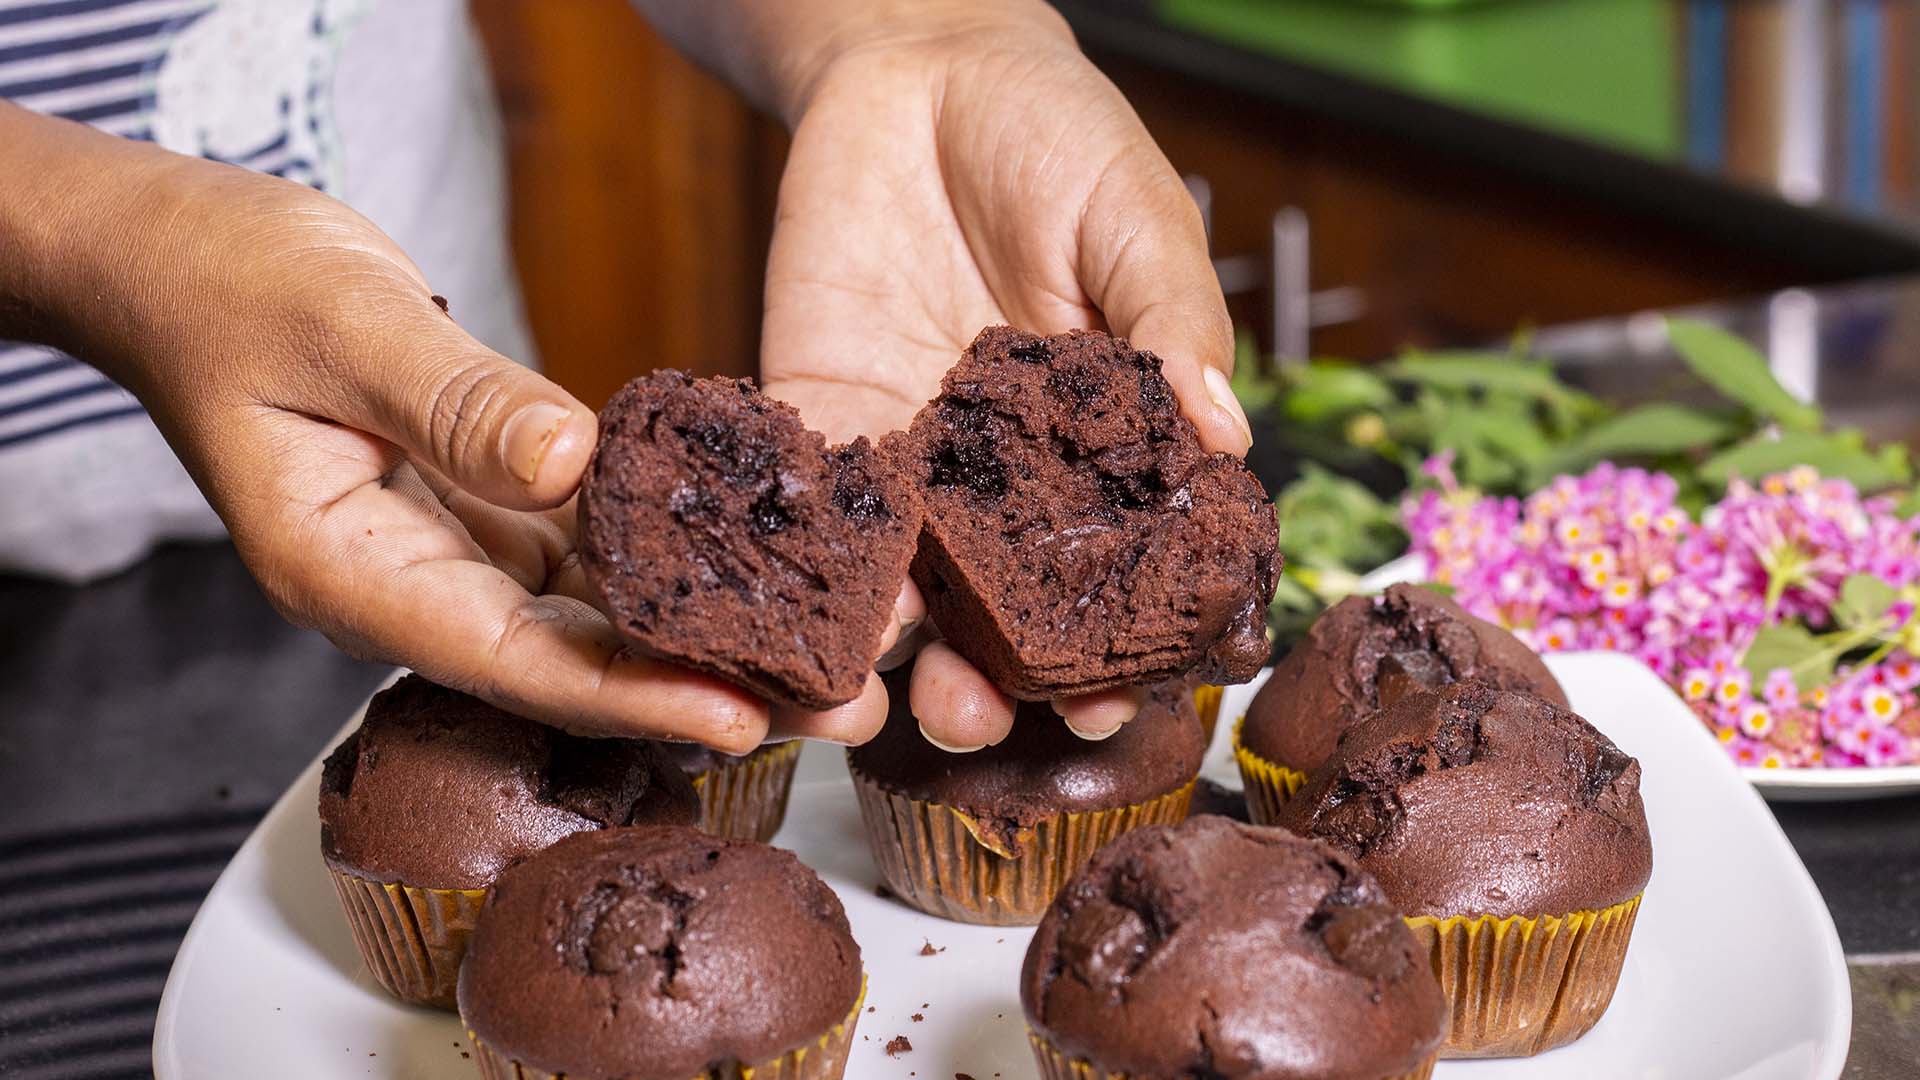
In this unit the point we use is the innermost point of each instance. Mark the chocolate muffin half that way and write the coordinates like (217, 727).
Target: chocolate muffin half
(1222, 950)
(1360, 655)
(724, 535)
(989, 836)
(661, 954)
(1512, 835)
(436, 793)
(1077, 537)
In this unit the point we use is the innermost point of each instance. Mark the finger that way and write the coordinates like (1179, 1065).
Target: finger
(958, 709)
(901, 638)
(417, 597)
(494, 428)
(850, 724)
(1098, 716)
(1144, 262)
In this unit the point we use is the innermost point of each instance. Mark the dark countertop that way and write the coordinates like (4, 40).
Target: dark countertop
(147, 721)
(1775, 124)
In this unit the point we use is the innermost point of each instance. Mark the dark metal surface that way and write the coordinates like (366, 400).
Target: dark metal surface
(146, 722)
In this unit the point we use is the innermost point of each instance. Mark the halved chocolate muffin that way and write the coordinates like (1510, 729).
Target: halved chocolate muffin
(661, 954)
(436, 793)
(1360, 655)
(1077, 537)
(1229, 951)
(1512, 835)
(723, 534)
(989, 836)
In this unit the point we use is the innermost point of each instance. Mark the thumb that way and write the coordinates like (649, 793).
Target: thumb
(1144, 264)
(497, 429)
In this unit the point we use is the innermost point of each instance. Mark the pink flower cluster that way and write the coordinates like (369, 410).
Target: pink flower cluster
(1608, 560)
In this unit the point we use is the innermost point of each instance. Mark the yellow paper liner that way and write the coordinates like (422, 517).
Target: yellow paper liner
(940, 860)
(1267, 784)
(1518, 985)
(1206, 702)
(747, 799)
(1055, 1065)
(411, 939)
(824, 1058)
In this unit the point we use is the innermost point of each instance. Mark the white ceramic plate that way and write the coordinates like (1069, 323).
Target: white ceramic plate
(1780, 785)
(1734, 970)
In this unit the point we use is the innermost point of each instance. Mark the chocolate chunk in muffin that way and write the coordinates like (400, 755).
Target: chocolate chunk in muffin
(437, 789)
(1472, 800)
(723, 534)
(1077, 537)
(1217, 949)
(1367, 652)
(658, 954)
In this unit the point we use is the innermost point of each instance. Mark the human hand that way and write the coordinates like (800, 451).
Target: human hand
(388, 479)
(949, 172)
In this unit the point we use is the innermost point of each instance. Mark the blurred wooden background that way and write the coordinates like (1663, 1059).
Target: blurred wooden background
(643, 193)
(644, 189)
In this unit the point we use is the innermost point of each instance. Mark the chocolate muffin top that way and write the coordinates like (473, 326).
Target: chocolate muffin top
(655, 954)
(1470, 800)
(1077, 537)
(723, 534)
(440, 790)
(1041, 768)
(1217, 949)
(1364, 653)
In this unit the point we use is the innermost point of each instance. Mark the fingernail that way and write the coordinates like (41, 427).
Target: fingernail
(1220, 388)
(1095, 736)
(527, 435)
(949, 748)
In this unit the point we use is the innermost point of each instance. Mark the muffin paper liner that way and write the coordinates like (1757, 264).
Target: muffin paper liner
(1206, 702)
(1519, 985)
(747, 799)
(1055, 1065)
(941, 860)
(1267, 784)
(411, 939)
(825, 1058)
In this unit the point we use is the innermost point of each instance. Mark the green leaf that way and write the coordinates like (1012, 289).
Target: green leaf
(1790, 646)
(1648, 431)
(1322, 392)
(1257, 391)
(1863, 599)
(1737, 370)
(1328, 521)
(1840, 454)
(1909, 504)
(1488, 373)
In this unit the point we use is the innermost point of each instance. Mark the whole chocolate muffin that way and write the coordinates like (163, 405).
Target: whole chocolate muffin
(1077, 537)
(436, 793)
(723, 534)
(989, 836)
(659, 954)
(1230, 951)
(1475, 807)
(1366, 652)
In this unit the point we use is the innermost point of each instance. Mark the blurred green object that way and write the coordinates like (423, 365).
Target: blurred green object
(1601, 70)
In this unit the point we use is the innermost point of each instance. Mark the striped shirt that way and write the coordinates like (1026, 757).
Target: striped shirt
(301, 89)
